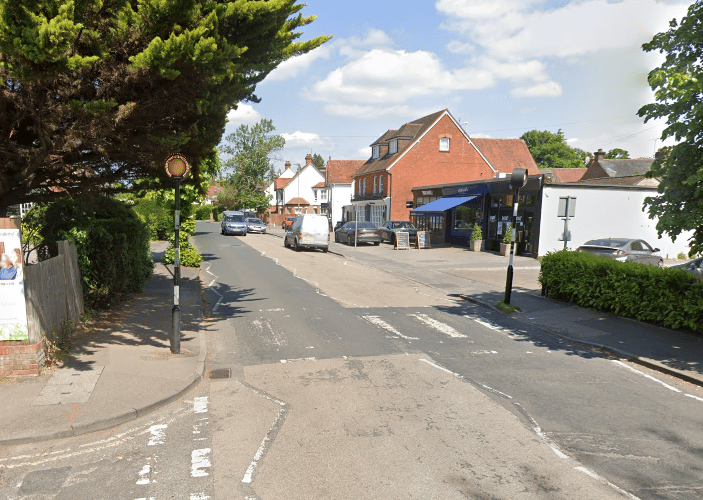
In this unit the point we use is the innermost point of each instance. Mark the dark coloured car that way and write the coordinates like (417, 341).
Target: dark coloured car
(287, 223)
(624, 249)
(694, 267)
(389, 228)
(365, 233)
(256, 225)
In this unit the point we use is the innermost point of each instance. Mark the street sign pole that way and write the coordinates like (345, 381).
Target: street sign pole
(517, 180)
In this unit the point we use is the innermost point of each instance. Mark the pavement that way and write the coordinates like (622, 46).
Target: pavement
(116, 374)
(127, 370)
(480, 277)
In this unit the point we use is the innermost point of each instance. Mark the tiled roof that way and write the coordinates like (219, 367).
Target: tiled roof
(319, 185)
(505, 155)
(341, 171)
(410, 130)
(281, 183)
(560, 175)
(297, 201)
(626, 168)
(626, 180)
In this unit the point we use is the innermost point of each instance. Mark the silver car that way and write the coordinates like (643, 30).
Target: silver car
(255, 225)
(233, 223)
(624, 249)
(694, 267)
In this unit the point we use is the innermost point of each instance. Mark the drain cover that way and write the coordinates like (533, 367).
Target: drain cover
(221, 373)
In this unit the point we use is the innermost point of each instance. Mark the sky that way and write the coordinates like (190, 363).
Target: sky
(501, 67)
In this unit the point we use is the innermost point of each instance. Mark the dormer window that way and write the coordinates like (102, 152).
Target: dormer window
(444, 144)
(376, 151)
(393, 146)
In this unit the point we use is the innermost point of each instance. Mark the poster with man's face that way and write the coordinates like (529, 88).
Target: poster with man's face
(13, 310)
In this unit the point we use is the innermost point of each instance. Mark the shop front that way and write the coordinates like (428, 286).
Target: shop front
(451, 217)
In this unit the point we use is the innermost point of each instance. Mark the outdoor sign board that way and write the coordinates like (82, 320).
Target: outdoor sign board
(402, 240)
(13, 309)
(423, 239)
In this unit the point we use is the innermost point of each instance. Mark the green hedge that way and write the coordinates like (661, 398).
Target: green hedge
(114, 253)
(157, 216)
(190, 257)
(203, 212)
(667, 297)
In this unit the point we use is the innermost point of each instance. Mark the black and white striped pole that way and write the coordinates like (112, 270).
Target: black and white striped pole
(177, 168)
(517, 180)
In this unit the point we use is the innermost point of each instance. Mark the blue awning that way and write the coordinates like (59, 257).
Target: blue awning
(440, 206)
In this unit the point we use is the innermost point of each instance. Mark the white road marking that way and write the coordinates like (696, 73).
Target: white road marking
(145, 473)
(297, 359)
(196, 496)
(538, 431)
(200, 459)
(440, 368)
(200, 404)
(694, 397)
(605, 481)
(495, 391)
(375, 320)
(158, 434)
(438, 325)
(484, 352)
(671, 388)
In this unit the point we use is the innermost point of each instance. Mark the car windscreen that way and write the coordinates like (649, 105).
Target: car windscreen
(255, 221)
(607, 242)
(234, 218)
(365, 225)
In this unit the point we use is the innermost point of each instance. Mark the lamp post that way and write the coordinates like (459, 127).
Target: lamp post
(177, 168)
(517, 180)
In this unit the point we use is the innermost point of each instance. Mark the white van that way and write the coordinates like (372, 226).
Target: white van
(308, 231)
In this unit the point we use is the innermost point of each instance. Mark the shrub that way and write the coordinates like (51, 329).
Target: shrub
(203, 212)
(476, 234)
(187, 228)
(668, 297)
(114, 254)
(157, 216)
(190, 257)
(507, 237)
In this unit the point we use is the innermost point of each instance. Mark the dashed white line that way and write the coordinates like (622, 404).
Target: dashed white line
(200, 404)
(297, 359)
(200, 459)
(437, 325)
(671, 388)
(145, 473)
(158, 434)
(694, 397)
(375, 320)
(440, 368)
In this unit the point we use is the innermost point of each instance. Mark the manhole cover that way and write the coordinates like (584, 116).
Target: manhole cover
(221, 373)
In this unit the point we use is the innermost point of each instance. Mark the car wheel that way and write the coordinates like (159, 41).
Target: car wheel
(393, 240)
(661, 263)
(324, 250)
(349, 241)
(376, 243)
(296, 246)
(285, 242)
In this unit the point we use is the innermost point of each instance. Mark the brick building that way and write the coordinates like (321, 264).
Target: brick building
(431, 150)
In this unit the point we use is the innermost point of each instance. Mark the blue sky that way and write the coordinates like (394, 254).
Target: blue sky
(503, 67)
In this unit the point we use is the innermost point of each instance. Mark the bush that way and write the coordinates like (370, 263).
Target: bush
(190, 257)
(157, 216)
(114, 254)
(203, 212)
(476, 234)
(507, 237)
(669, 297)
(187, 228)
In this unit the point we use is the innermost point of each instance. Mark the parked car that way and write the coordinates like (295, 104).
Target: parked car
(233, 223)
(287, 223)
(389, 228)
(255, 225)
(339, 224)
(624, 249)
(308, 231)
(365, 233)
(694, 267)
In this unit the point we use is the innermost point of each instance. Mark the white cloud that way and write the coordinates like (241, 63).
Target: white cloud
(298, 65)
(298, 138)
(245, 113)
(545, 89)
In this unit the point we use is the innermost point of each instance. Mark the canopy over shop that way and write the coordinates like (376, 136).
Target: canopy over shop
(449, 211)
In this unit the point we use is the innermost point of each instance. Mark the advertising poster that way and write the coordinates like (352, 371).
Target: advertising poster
(13, 310)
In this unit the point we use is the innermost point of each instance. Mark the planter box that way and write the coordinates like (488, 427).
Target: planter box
(505, 249)
(476, 245)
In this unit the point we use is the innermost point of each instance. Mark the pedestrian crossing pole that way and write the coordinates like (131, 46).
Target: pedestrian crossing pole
(517, 180)
(176, 168)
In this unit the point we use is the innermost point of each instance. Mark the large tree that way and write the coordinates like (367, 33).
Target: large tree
(95, 95)
(678, 87)
(617, 154)
(550, 150)
(250, 153)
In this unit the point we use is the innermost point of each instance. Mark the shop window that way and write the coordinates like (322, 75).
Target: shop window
(444, 144)
(464, 219)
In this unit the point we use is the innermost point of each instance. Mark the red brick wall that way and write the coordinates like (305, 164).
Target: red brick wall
(426, 165)
(21, 358)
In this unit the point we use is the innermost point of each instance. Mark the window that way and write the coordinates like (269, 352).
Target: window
(364, 186)
(376, 152)
(298, 210)
(315, 193)
(444, 144)
(393, 146)
(380, 184)
(375, 186)
(323, 195)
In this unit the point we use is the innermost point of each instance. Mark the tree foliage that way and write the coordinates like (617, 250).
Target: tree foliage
(617, 154)
(94, 95)
(318, 160)
(678, 86)
(251, 153)
(550, 150)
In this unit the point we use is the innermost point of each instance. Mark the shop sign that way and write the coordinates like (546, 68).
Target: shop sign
(13, 309)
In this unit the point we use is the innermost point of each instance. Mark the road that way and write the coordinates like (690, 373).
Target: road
(340, 381)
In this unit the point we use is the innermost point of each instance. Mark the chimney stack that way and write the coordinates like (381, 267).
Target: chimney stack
(308, 159)
(599, 155)
(287, 165)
